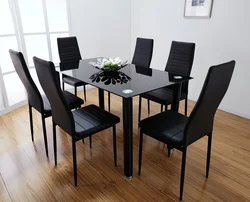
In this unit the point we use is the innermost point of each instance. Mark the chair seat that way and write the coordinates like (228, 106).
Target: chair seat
(46, 106)
(72, 101)
(72, 81)
(167, 127)
(92, 119)
(162, 95)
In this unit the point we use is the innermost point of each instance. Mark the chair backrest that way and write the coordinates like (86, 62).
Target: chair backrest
(68, 49)
(200, 122)
(61, 114)
(180, 60)
(143, 52)
(34, 96)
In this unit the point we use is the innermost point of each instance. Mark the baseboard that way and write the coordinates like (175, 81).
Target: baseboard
(247, 116)
(20, 104)
(24, 102)
(80, 89)
(13, 107)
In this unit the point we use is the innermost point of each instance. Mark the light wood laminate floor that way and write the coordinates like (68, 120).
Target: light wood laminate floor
(27, 175)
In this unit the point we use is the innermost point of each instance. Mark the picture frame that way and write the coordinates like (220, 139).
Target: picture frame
(198, 8)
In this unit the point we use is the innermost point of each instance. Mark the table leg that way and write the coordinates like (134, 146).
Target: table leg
(176, 97)
(175, 105)
(101, 98)
(128, 136)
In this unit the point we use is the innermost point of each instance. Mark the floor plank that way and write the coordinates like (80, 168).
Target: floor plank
(4, 195)
(27, 175)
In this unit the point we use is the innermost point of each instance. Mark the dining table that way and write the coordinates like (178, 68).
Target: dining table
(128, 82)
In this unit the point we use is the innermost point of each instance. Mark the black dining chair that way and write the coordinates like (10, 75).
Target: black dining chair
(69, 51)
(180, 62)
(79, 123)
(35, 100)
(142, 56)
(180, 131)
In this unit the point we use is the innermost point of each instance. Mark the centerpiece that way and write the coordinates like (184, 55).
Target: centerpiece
(109, 64)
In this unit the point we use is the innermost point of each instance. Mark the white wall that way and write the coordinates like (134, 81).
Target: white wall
(102, 27)
(109, 28)
(224, 37)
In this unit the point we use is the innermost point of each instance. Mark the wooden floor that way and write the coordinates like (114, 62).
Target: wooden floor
(27, 175)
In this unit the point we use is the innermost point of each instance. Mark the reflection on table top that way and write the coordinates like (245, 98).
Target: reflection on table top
(127, 82)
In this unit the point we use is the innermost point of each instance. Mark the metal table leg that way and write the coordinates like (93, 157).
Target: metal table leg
(128, 136)
(101, 98)
(176, 97)
(175, 105)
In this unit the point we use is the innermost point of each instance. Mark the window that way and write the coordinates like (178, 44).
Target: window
(1, 99)
(30, 26)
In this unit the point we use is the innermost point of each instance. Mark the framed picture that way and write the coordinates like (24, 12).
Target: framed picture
(198, 8)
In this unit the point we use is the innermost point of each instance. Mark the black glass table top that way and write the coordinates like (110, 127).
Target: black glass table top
(127, 82)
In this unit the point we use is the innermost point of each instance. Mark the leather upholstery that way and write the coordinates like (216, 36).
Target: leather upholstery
(72, 81)
(180, 62)
(34, 96)
(143, 52)
(61, 114)
(201, 119)
(162, 95)
(68, 49)
(69, 52)
(181, 57)
(167, 127)
(73, 102)
(178, 130)
(82, 122)
(46, 105)
(92, 119)
(40, 103)
(142, 55)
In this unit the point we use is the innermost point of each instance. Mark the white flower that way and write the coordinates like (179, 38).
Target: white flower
(101, 62)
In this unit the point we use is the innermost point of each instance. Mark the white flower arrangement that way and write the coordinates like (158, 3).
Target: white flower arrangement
(109, 64)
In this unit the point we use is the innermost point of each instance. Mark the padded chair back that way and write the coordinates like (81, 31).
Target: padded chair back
(68, 49)
(143, 52)
(201, 119)
(34, 96)
(180, 60)
(61, 114)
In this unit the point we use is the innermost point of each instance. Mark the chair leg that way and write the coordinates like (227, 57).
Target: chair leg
(83, 140)
(90, 141)
(161, 108)
(140, 152)
(31, 123)
(54, 142)
(169, 150)
(208, 154)
(109, 101)
(84, 91)
(63, 85)
(186, 106)
(183, 167)
(139, 112)
(75, 91)
(148, 107)
(45, 135)
(74, 161)
(114, 145)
